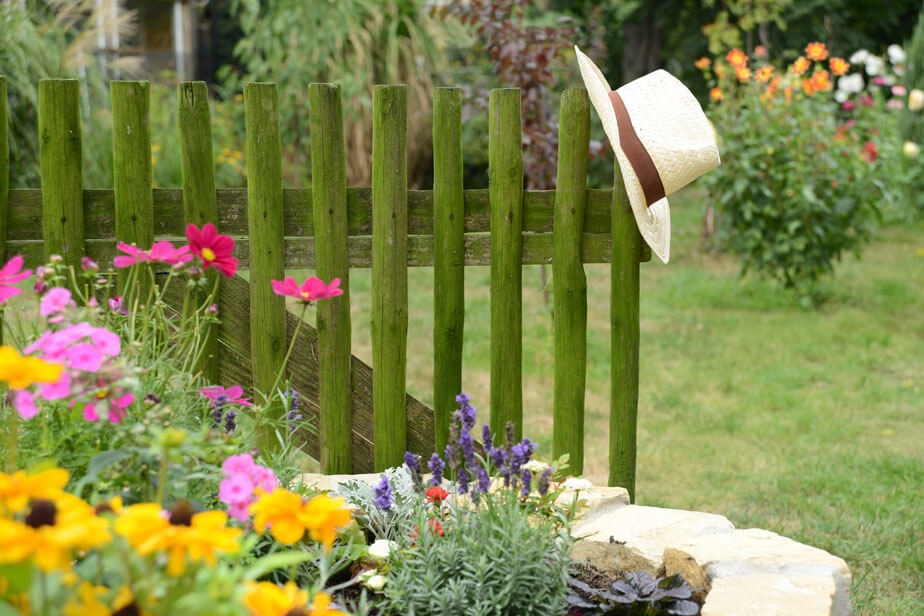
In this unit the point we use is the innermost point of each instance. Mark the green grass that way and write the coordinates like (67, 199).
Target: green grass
(805, 422)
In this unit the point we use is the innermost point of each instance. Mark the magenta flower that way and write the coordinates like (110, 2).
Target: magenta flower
(24, 403)
(113, 404)
(135, 255)
(164, 252)
(55, 301)
(239, 464)
(116, 304)
(83, 356)
(311, 290)
(212, 248)
(236, 489)
(10, 274)
(218, 395)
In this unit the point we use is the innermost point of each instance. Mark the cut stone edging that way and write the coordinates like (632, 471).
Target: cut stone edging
(753, 572)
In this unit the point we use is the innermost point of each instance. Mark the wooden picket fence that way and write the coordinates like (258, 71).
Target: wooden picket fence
(366, 419)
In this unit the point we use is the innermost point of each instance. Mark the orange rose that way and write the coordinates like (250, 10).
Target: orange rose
(703, 63)
(816, 51)
(800, 65)
(736, 58)
(764, 73)
(716, 94)
(839, 66)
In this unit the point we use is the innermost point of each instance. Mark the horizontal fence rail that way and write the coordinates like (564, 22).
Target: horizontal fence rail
(366, 419)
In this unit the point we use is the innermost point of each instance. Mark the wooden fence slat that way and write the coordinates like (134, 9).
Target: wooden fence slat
(569, 281)
(131, 170)
(200, 203)
(264, 217)
(505, 182)
(624, 340)
(448, 258)
(389, 272)
(329, 210)
(61, 159)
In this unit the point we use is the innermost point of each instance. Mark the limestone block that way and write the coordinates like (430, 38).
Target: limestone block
(596, 501)
(754, 552)
(772, 595)
(649, 530)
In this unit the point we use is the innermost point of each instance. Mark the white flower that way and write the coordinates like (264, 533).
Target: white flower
(535, 467)
(916, 100)
(896, 54)
(381, 549)
(874, 65)
(859, 57)
(577, 483)
(851, 84)
(841, 96)
(376, 582)
(911, 149)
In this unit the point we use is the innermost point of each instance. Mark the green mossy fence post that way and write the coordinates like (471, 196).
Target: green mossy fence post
(4, 178)
(505, 185)
(389, 273)
(61, 159)
(624, 332)
(131, 168)
(267, 251)
(448, 258)
(200, 204)
(570, 283)
(329, 210)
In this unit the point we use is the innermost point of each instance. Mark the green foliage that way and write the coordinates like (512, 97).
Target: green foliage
(355, 43)
(912, 122)
(493, 559)
(792, 194)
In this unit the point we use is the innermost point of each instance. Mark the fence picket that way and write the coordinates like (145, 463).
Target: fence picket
(448, 258)
(570, 283)
(131, 169)
(389, 273)
(200, 203)
(624, 339)
(329, 212)
(4, 180)
(61, 157)
(265, 223)
(505, 185)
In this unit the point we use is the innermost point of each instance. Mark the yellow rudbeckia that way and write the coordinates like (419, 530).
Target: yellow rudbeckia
(22, 371)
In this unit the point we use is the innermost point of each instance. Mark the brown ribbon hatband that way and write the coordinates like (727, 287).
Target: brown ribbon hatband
(635, 151)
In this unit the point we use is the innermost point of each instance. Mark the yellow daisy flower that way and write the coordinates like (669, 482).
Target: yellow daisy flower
(18, 489)
(267, 599)
(281, 510)
(323, 516)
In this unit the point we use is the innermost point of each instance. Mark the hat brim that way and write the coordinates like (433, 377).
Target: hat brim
(654, 221)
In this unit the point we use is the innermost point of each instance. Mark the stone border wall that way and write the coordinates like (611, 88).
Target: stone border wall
(752, 572)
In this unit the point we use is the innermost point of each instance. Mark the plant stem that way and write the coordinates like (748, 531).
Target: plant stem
(285, 360)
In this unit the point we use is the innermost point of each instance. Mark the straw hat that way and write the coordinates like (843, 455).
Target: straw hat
(662, 140)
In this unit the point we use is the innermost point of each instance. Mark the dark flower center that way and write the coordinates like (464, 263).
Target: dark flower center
(296, 611)
(181, 514)
(129, 610)
(42, 513)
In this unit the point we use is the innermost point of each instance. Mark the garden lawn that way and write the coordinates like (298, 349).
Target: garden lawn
(806, 422)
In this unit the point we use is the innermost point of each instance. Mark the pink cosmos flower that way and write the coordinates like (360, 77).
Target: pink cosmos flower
(55, 301)
(106, 342)
(135, 255)
(219, 395)
(311, 290)
(212, 248)
(164, 252)
(58, 390)
(10, 274)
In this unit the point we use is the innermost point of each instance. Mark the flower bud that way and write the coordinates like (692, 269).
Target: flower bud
(380, 550)
(194, 272)
(376, 582)
(88, 265)
(40, 287)
(911, 149)
(212, 310)
(56, 259)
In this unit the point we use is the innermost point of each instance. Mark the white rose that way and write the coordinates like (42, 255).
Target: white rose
(911, 149)
(376, 582)
(874, 65)
(577, 483)
(535, 467)
(916, 100)
(851, 84)
(859, 57)
(896, 54)
(381, 549)
(841, 96)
